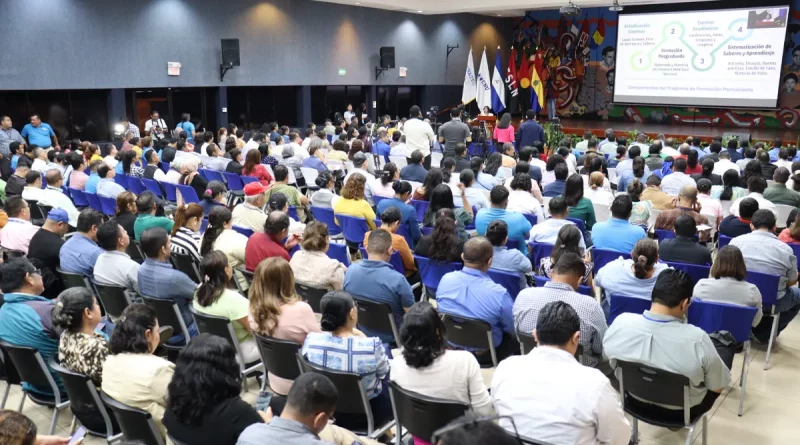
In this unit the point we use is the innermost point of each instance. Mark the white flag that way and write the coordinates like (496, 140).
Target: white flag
(484, 93)
(468, 94)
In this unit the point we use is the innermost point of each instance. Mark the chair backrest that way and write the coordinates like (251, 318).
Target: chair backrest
(421, 208)
(214, 325)
(724, 240)
(432, 272)
(153, 186)
(188, 193)
(311, 295)
(136, 185)
(468, 332)
(135, 252)
(339, 252)
(768, 286)
(796, 250)
(9, 371)
(512, 244)
(620, 304)
(578, 222)
(234, 181)
(84, 401)
(94, 201)
(164, 166)
(121, 180)
(186, 264)
(108, 205)
(71, 279)
(325, 215)
(243, 230)
(376, 316)
(248, 179)
(395, 260)
(399, 161)
(533, 219)
(279, 356)
(353, 227)
(783, 214)
(582, 289)
(539, 251)
(695, 271)
(213, 175)
(310, 175)
(602, 211)
(113, 299)
(348, 383)
(79, 198)
(507, 279)
(30, 366)
(293, 213)
(653, 384)
(170, 190)
(712, 316)
(664, 234)
(601, 257)
(137, 425)
(36, 212)
(422, 415)
(168, 314)
(526, 342)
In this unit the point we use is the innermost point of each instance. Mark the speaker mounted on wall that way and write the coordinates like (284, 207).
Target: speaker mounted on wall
(230, 56)
(387, 60)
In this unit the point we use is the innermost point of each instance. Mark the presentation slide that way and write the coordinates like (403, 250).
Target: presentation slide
(718, 58)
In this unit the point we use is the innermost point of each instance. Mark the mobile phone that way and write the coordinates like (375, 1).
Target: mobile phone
(78, 436)
(262, 402)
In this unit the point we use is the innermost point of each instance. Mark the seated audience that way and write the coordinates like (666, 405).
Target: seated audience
(547, 231)
(220, 236)
(568, 240)
(107, 187)
(729, 190)
(551, 396)
(778, 193)
(341, 347)
(114, 267)
(383, 185)
(269, 243)
(442, 198)
(521, 199)
(518, 226)
(45, 248)
(674, 182)
(153, 169)
(81, 348)
(186, 236)
(216, 158)
(250, 213)
(214, 196)
(125, 213)
(618, 233)
(579, 206)
(756, 186)
(326, 195)
(353, 201)
(727, 283)
(683, 248)
(414, 171)
(402, 193)
(146, 215)
(433, 178)
(77, 178)
(79, 254)
(475, 198)
(661, 339)
(733, 225)
(311, 265)
(33, 186)
(555, 188)
(204, 406)
(633, 277)
(443, 244)
(790, 235)
(293, 195)
(132, 374)
(214, 297)
(596, 193)
(390, 222)
(686, 205)
(15, 184)
(157, 270)
(653, 193)
(235, 166)
(18, 231)
(710, 207)
(470, 292)
(54, 197)
(253, 168)
(18, 429)
(278, 202)
(638, 171)
(726, 162)
(707, 164)
(376, 279)
(764, 252)
(503, 258)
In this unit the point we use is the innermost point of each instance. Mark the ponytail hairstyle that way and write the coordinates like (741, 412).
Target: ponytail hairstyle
(645, 256)
(215, 188)
(638, 167)
(401, 187)
(730, 179)
(72, 304)
(568, 241)
(129, 331)
(596, 180)
(186, 213)
(708, 167)
(389, 170)
(691, 158)
(335, 307)
(215, 278)
(635, 190)
(217, 219)
(127, 158)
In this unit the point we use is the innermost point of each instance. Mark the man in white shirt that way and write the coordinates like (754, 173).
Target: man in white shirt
(711, 208)
(669, 149)
(360, 164)
(724, 164)
(250, 213)
(673, 183)
(399, 146)
(627, 165)
(216, 160)
(33, 186)
(583, 145)
(419, 135)
(546, 231)
(755, 186)
(155, 127)
(54, 197)
(641, 142)
(107, 187)
(114, 267)
(551, 396)
(253, 143)
(40, 160)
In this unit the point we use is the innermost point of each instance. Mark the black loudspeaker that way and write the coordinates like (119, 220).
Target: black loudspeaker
(230, 52)
(387, 57)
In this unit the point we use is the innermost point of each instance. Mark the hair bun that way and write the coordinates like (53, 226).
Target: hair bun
(397, 186)
(641, 259)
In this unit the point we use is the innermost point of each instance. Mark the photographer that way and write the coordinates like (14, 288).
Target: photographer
(155, 128)
(454, 132)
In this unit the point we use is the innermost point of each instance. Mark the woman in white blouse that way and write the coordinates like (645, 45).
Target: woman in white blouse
(595, 192)
(312, 266)
(524, 167)
(221, 236)
(427, 367)
(521, 199)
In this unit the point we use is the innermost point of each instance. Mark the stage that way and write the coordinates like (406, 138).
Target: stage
(678, 131)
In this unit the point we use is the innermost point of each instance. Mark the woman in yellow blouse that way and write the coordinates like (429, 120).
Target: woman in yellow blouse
(353, 203)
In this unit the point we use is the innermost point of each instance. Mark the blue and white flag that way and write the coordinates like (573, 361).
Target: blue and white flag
(498, 86)
(468, 94)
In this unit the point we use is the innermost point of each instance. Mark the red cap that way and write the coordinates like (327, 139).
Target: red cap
(255, 188)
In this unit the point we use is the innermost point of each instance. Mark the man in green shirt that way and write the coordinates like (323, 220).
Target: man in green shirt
(778, 193)
(292, 194)
(146, 218)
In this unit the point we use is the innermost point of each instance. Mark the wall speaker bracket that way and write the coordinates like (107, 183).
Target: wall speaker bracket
(379, 71)
(223, 69)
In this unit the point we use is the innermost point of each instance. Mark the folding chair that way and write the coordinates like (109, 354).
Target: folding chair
(94, 201)
(421, 415)
(279, 357)
(695, 271)
(432, 272)
(768, 286)
(325, 215)
(168, 314)
(108, 205)
(71, 279)
(377, 317)
(723, 241)
(664, 234)
(170, 190)
(188, 193)
(537, 252)
(186, 264)
(213, 175)
(469, 333)
(339, 252)
(137, 425)
(85, 401)
(37, 219)
(602, 212)
(122, 180)
(508, 279)
(135, 185)
(311, 295)
(578, 222)
(79, 198)
(243, 230)
(533, 219)
(421, 207)
(783, 215)
(153, 186)
(526, 342)
(601, 257)
(620, 304)
(353, 228)
(114, 299)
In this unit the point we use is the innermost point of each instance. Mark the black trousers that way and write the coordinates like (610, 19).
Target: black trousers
(673, 415)
(508, 347)
(426, 162)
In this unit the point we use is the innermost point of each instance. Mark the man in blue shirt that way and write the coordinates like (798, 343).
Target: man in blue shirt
(470, 292)
(617, 233)
(157, 279)
(733, 150)
(376, 280)
(773, 154)
(518, 226)
(316, 158)
(40, 133)
(79, 254)
(94, 178)
(504, 259)
(382, 146)
(187, 127)
(556, 188)
(108, 187)
(529, 131)
(414, 171)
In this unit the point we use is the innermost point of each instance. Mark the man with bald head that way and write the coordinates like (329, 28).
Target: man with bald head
(686, 205)
(54, 197)
(470, 292)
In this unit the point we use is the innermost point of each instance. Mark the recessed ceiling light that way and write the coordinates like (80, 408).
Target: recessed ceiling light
(499, 15)
(419, 12)
(358, 4)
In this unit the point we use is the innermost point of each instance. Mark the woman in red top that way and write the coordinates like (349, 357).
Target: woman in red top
(791, 234)
(252, 167)
(504, 131)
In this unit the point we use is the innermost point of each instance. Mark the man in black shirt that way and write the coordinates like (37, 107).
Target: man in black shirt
(169, 150)
(16, 183)
(734, 226)
(462, 158)
(44, 248)
(683, 248)
(526, 154)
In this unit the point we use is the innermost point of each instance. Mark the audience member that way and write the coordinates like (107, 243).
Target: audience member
(33, 186)
(293, 195)
(473, 430)
(546, 231)
(18, 231)
(146, 215)
(711, 208)
(661, 339)
(125, 213)
(433, 178)
(475, 198)
(673, 183)
(402, 193)
(725, 164)
(521, 199)
(18, 429)
(220, 236)
(686, 205)
(789, 235)
(45, 248)
(54, 197)
(250, 213)
(556, 187)
(442, 198)
(503, 258)
(727, 283)
(414, 171)
(268, 243)
(683, 248)
(618, 233)
(107, 187)
(763, 252)
(568, 240)
(596, 193)
(311, 265)
(483, 180)
(632, 277)
(756, 186)
(778, 193)
(653, 193)
(81, 348)
(16, 183)
(579, 207)
(79, 254)
(640, 213)
(253, 168)
(353, 201)
(730, 190)
(186, 236)
(278, 202)
(518, 225)
(326, 196)
(214, 196)
(765, 163)
(114, 267)
(733, 226)
(443, 244)
(360, 168)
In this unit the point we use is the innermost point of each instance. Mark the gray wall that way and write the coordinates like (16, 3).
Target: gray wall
(71, 44)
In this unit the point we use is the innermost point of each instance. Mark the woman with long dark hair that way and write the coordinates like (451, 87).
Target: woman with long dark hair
(503, 132)
(640, 215)
(252, 167)
(579, 207)
(693, 166)
(483, 180)
(753, 168)
(186, 236)
(355, 147)
(428, 367)
(549, 175)
(442, 198)
(637, 171)
(493, 164)
(443, 244)
(568, 240)
(130, 160)
(81, 348)
(388, 177)
(220, 236)
(213, 297)
(125, 213)
(707, 165)
(729, 190)
(214, 196)
(433, 178)
(204, 406)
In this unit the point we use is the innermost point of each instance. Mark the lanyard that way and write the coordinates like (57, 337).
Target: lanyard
(657, 321)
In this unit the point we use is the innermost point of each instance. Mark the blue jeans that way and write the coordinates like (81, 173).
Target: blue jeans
(551, 108)
(178, 339)
(788, 306)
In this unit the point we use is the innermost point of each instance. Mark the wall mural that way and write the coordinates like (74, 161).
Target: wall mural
(579, 54)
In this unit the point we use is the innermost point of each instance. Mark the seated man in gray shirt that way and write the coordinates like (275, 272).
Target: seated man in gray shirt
(114, 267)
(660, 339)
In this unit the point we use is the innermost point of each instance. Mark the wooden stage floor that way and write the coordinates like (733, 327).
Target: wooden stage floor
(705, 132)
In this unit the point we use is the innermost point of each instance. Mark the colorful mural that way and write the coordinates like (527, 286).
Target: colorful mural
(578, 56)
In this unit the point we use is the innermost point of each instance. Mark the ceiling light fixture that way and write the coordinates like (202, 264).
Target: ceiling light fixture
(419, 12)
(616, 7)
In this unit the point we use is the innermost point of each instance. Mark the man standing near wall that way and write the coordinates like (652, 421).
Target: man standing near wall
(454, 132)
(529, 131)
(40, 133)
(419, 135)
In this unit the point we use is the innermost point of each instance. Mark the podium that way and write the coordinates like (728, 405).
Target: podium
(487, 124)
